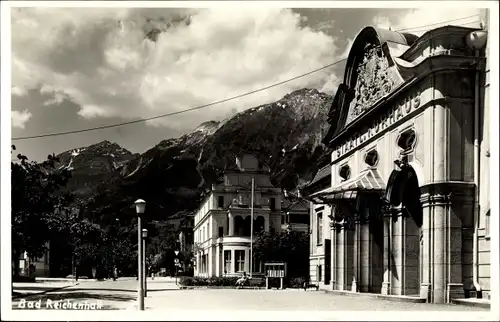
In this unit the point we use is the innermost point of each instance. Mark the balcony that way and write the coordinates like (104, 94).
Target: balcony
(234, 240)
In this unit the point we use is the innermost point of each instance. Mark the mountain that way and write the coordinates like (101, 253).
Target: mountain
(92, 165)
(173, 175)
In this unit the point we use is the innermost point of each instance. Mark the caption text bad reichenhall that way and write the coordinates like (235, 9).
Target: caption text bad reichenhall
(60, 305)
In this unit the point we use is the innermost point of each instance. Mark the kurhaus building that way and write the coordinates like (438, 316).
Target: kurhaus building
(408, 206)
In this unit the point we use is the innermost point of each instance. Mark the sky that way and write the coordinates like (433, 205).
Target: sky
(78, 68)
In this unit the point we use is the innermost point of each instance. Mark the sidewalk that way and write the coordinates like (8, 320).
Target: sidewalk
(27, 289)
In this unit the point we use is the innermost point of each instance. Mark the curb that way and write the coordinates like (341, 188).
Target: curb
(466, 302)
(393, 298)
(44, 292)
(221, 287)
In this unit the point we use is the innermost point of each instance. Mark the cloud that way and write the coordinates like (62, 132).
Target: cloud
(419, 21)
(19, 119)
(101, 60)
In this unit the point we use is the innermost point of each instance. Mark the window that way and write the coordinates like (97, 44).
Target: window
(227, 261)
(319, 225)
(371, 158)
(209, 234)
(407, 141)
(221, 231)
(345, 172)
(272, 204)
(220, 202)
(257, 266)
(240, 260)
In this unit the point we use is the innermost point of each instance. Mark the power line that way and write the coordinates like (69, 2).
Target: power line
(212, 103)
(438, 23)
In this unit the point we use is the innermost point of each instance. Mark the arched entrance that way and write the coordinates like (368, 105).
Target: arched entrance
(403, 195)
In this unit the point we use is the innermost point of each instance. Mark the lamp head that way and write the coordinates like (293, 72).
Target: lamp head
(144, 233)
(140, 206)
(176, 252)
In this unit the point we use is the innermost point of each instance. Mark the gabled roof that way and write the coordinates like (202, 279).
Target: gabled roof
(322, 173)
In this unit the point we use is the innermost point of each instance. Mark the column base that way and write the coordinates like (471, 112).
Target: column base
(455, 291)
(425, 291)
(386, 288)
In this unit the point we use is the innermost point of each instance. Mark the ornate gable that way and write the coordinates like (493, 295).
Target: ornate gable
(376, 77)
(370, 75)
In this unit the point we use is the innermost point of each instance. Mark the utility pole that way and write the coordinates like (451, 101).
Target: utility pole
(251, 226)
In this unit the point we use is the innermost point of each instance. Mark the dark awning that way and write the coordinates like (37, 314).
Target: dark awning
(367, 180)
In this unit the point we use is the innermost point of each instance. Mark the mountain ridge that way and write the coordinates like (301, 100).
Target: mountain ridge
(177, 172)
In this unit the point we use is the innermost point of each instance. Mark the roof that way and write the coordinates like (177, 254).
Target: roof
(322, 173)
(367, 180)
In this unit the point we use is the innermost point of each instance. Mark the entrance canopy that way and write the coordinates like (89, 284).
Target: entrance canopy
(368, 180)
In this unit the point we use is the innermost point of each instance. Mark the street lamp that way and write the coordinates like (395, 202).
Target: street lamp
(144, 268)
(176, 265)
(140, 207)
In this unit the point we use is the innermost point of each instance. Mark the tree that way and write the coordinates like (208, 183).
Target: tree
(290, 247)
(36, 201)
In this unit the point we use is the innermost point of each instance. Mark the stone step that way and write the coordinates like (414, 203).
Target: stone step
(484, 303)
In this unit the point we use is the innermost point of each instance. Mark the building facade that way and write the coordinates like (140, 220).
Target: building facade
(320, 242)
(41, 265)
(222, 224)
(409, 195)
(295, 215)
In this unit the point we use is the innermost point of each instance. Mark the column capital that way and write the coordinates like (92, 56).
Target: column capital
(428, 199)
(460, 191)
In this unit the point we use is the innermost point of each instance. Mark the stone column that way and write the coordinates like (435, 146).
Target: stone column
(231, 225)
(218, 250)
(442, 241)
(439, 249)
(426, 264)
(356, 254)
(340, 282)
(333, 238)
(233, 262)
(210, 264)
(386, 284)
(397, 251)
(348, 257)
(364, 256)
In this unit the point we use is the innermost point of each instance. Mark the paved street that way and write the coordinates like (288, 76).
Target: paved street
(164, 295)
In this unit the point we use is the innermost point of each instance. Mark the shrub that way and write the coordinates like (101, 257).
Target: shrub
(211, 281)
(297, 282)
(186, 281)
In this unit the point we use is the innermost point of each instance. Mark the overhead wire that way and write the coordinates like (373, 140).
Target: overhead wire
(218, 101)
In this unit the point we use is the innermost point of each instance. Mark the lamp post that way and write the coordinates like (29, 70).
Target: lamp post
(176, 263)
(140, 207)
(144, 267)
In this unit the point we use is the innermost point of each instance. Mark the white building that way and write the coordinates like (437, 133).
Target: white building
(320, 242)
(222, 223)
(408, 205)
(41, 264)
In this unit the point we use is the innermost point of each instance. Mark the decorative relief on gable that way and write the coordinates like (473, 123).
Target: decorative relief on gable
(375, 79)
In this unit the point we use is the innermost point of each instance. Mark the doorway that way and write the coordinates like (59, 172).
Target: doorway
(403, 192)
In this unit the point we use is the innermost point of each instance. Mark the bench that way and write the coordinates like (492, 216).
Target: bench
(308, 285)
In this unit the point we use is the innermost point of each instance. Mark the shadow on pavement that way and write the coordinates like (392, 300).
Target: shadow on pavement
(89, 296)
(74, 289)
(37, 288)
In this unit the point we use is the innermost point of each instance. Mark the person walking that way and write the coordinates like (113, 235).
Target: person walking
(242, 280)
